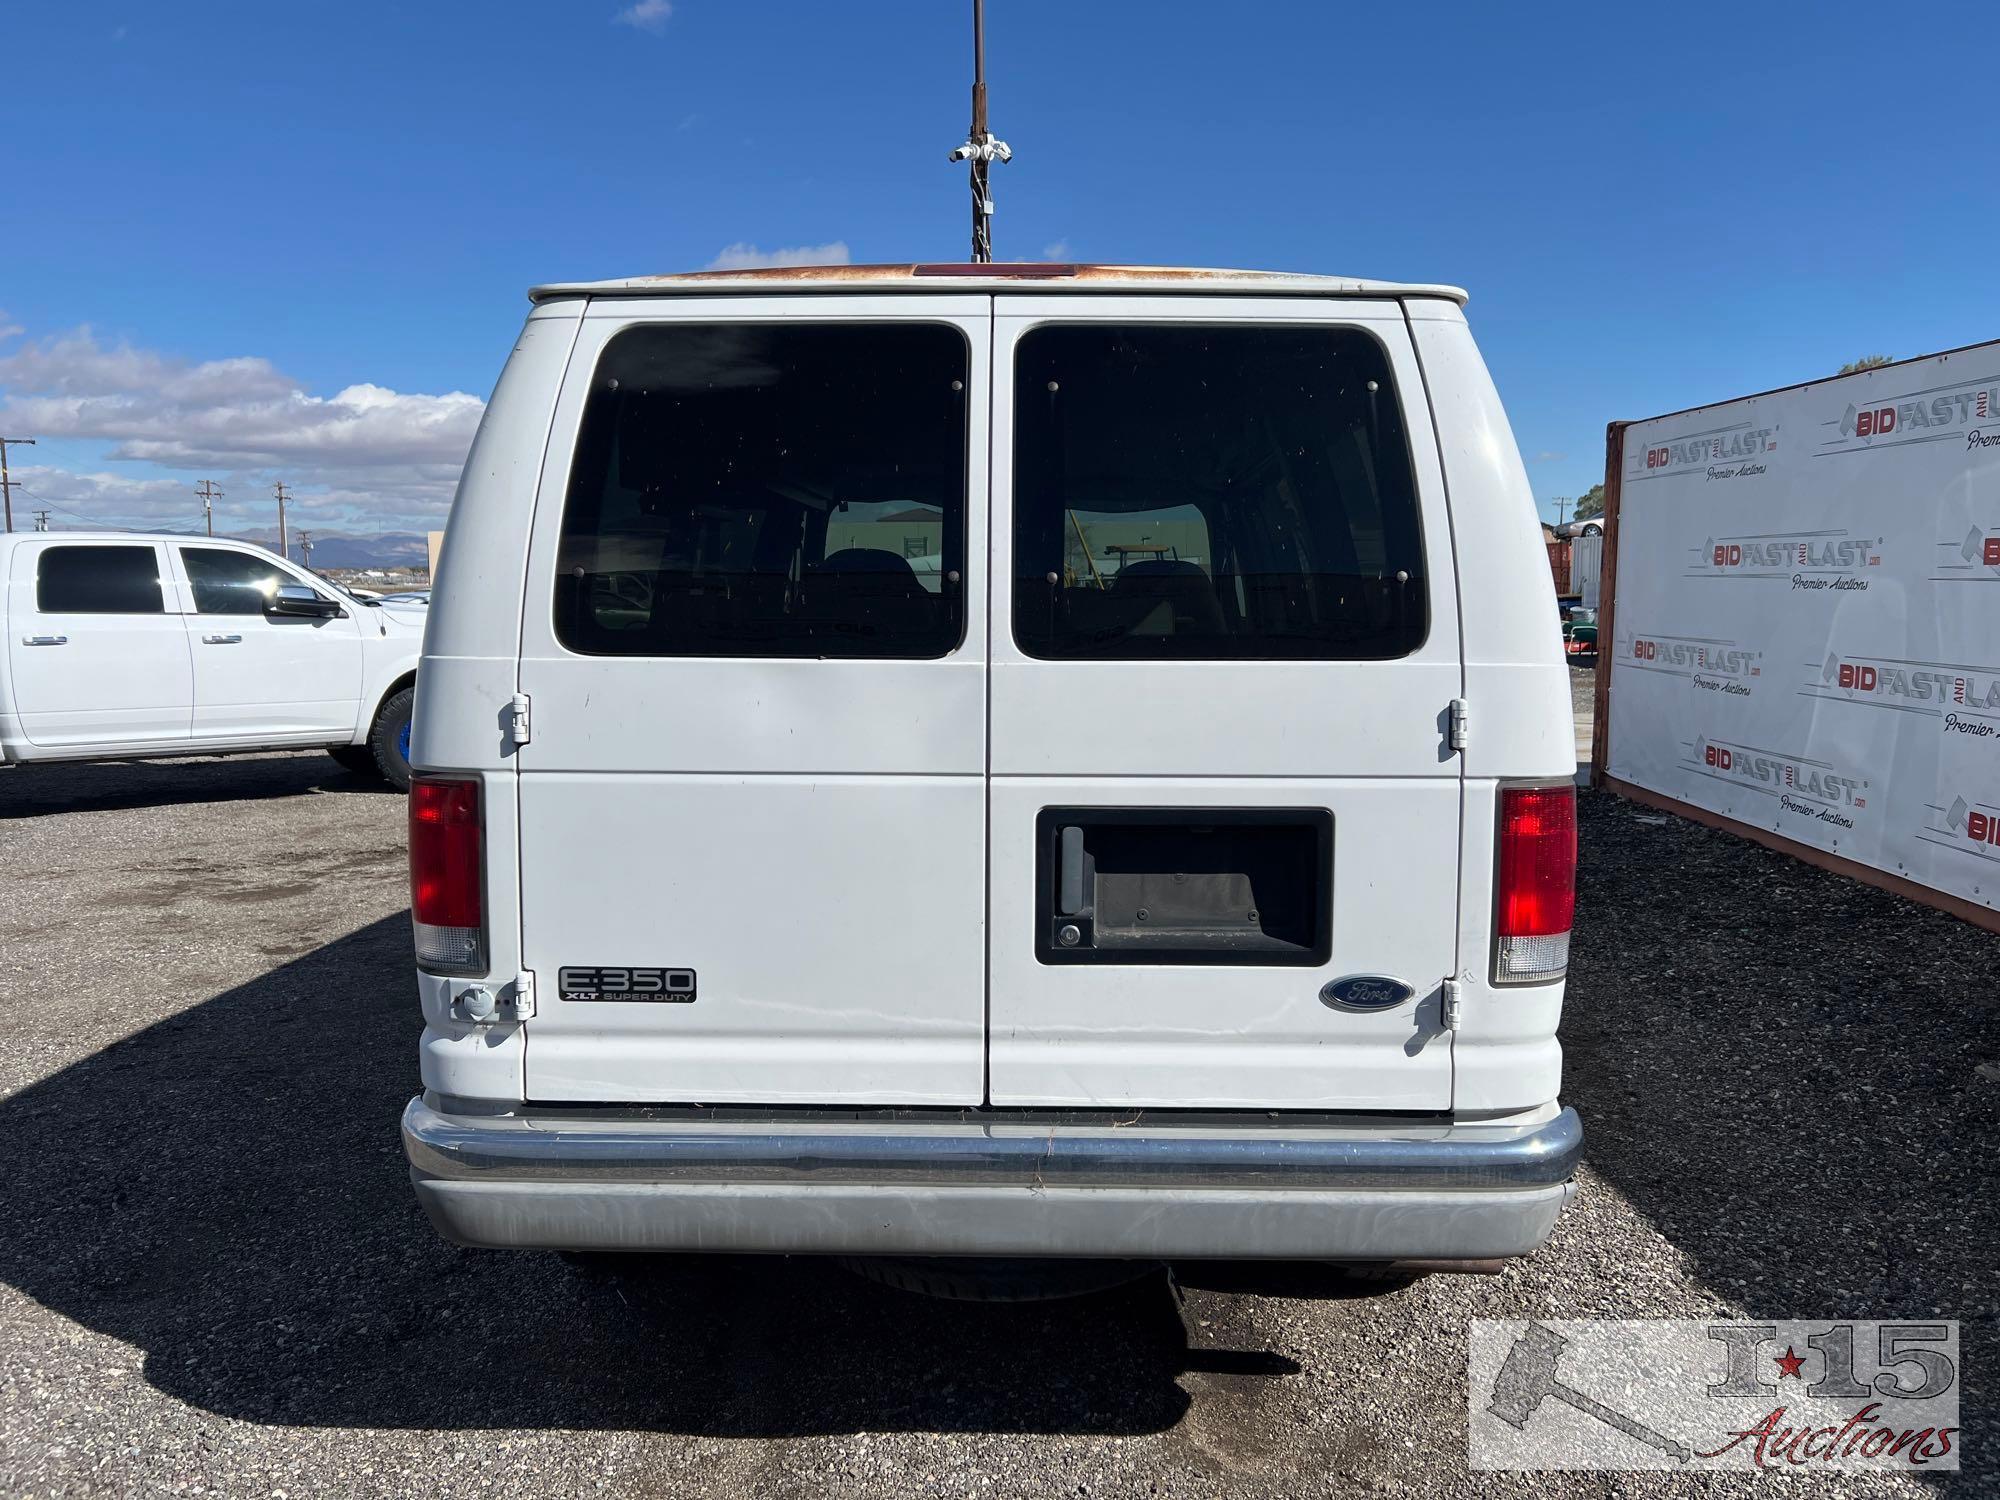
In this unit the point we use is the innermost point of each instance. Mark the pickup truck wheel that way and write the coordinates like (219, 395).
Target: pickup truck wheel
(389, 740)
(982, 1279)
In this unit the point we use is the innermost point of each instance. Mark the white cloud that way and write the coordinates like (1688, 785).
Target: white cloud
(110, 498)
(1056, 250)
(1547, 457)
(646, 15)
(744, 256)
(367, 454)
(8, 328)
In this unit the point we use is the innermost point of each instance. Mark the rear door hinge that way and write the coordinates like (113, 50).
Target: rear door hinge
(517, 720)
(1454, 1004)
(1461, 731)
(522, 996)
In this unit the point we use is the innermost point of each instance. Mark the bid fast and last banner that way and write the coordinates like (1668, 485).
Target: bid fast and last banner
(1807, 616)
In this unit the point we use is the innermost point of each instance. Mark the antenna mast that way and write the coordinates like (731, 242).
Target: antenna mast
(981, 149)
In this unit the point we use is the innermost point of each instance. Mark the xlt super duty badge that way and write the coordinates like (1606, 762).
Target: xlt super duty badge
(579, 982)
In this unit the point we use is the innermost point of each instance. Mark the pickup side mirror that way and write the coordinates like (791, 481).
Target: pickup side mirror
(300, 602)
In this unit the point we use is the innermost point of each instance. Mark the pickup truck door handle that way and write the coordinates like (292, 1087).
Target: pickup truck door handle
(45, 640)
(221, 640)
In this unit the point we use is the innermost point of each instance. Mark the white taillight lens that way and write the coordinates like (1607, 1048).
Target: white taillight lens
(1536, 897)
(446, 907)
(450, 950)
(1518, 960)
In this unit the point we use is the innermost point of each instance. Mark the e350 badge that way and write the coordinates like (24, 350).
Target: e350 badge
(590, 982)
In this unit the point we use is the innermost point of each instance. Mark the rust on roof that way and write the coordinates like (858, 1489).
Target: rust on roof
(1050, 275)
(998, 270)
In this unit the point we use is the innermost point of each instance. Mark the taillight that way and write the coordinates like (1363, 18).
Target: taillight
(445, 875)
(1537, 883)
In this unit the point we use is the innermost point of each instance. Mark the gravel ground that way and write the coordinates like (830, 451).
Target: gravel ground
(213, 1279)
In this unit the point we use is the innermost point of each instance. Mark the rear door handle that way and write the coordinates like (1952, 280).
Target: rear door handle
(1069, 880)
(45, 640)
(221, 640)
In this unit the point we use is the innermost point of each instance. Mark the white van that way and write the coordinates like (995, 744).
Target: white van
(127, 645)
(997, 761)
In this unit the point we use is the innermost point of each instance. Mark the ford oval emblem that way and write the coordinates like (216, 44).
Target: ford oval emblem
(1366, 992)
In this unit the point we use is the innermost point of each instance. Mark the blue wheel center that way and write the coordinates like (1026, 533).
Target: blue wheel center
(403, 741)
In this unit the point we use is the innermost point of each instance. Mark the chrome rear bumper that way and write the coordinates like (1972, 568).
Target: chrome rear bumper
(952, 1185)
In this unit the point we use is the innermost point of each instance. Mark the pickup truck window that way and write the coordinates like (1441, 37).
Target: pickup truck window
(99, 581)
(769, 490)
(1210, 492)
(231, 583)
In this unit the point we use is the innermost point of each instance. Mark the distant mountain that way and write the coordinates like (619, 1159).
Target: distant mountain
(333, 549)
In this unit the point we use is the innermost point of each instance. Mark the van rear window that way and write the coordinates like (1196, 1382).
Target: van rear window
(769, 490)
(1212, 493)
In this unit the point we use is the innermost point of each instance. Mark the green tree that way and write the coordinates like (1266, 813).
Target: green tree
(1589, 503)
(1866, 362)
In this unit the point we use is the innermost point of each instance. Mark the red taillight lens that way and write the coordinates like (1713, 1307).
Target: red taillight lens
(445, 873)
(1537, 881)
(1537, 860)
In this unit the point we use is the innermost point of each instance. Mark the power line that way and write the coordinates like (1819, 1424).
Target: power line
(6, 483)
(97, 521)
(92, 520)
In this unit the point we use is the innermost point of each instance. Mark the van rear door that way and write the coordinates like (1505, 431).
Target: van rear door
(1225, 807)
(752, 804)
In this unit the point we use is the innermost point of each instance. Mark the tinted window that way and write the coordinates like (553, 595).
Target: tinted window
(231, 583)
(1212, 493)
(769, 490)
(98, 581)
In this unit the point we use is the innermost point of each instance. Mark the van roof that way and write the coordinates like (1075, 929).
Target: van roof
(1043, 276)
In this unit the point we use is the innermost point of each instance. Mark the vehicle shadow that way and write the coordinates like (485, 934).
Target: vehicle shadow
(226, 1191)
(1781, 1068)
(34, 791)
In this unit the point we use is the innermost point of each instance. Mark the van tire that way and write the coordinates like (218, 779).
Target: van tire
(972, 1278)
(390, 734)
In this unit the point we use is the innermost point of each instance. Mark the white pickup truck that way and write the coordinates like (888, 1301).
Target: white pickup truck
(124, 645)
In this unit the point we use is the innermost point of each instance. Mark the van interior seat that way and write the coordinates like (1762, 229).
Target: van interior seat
(865, 591)
(875, 561)
(1183, 586)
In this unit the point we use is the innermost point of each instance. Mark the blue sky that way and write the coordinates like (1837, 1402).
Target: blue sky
(257, 241)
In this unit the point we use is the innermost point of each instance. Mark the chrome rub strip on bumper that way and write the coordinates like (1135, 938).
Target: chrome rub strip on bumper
(1273, 1157)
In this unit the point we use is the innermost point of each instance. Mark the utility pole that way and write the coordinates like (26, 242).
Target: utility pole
(981, 149)
(1562, 508)
(7, 484)
(284, 542)
(209, 495)
(306, 548)
(41, 520)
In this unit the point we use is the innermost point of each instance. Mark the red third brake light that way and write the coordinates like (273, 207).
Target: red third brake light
(445, 874)
(1536, 898)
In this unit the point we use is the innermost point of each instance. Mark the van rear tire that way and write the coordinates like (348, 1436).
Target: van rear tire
(389, 740)
(975, 1278)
